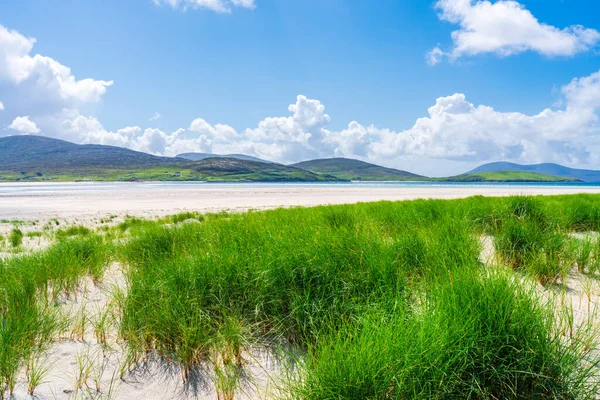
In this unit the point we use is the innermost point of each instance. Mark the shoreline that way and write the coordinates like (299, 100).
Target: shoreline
(35, 201)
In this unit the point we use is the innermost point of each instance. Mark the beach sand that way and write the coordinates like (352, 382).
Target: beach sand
(87, 204)
(85, 201)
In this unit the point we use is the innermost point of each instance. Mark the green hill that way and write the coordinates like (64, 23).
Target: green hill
(203, 156)
(584, 175)
(40, 158)
(35, 153)
(355, 170)
(508, 176)
(233, 169)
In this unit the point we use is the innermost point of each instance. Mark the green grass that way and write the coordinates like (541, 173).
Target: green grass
(28, 290)
(375, 300)
(477, 336)
(76, 230)
(34, 234)
(16, 237)
(387, 300)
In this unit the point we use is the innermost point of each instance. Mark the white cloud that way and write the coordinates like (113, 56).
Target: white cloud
(1, 106)
(435, 56)
(455, 134)
(72, 126)
(220, 6)
(218, 132)
(48, 76)
(44, 96)
(24, 125)
(155, 117)
(35, 84)
(506, 27)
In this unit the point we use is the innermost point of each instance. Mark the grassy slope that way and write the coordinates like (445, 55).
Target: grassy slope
(38, 158)
(508, 176)
(544, 168)
(349, 169)
(211, 170)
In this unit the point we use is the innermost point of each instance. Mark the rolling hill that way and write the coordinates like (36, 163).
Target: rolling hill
(545, 168)
(36, 158)
(40, 158)
(27, 153)
(349, 169)
(203, 156)
(508, 176)
(233, 169)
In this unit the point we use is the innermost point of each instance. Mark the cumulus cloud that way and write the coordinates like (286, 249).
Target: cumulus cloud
(220, 6)
(453, 129)
(504, 28)
(1, 106)
(24, 125)
(70, 125)
(218, 132)
(454, 135)
(34, 84)
(47, 76)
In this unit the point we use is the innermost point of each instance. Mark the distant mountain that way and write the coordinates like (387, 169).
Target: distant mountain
(350, 169)
(40, 158)
(233, 169)
(28, 152)
(203, 156)
(546, 168)
(508, 176)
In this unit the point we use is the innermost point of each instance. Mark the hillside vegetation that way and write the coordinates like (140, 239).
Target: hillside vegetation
(545, 168)
(202, 156)
(39, 158)
(508, 176)
(355, 170)
(232, 169)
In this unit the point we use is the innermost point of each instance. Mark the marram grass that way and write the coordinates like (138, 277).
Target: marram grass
(387, 300)
(383, 300)
(29, 286)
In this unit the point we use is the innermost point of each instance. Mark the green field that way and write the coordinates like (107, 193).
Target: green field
(386, 300)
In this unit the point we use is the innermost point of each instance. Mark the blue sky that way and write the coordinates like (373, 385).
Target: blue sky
(233, 70)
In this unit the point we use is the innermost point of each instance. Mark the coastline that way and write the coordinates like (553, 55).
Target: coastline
(44, 201)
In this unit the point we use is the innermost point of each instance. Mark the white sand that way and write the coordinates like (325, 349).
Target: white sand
(74, 351)
(32, 201)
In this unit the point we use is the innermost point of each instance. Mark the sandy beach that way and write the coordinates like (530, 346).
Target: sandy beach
(77, 350)
(88, 200)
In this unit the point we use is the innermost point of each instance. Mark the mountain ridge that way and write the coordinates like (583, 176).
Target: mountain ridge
(34, 157)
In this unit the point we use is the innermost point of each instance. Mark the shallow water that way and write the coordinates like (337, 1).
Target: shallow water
(32, 188)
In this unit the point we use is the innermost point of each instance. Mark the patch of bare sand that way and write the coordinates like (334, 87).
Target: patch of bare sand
(578, 294)
(80, 366)
(45, 201)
